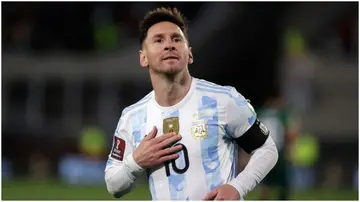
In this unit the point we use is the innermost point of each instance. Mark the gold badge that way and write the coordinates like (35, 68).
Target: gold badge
(199, 130)
(171, 125)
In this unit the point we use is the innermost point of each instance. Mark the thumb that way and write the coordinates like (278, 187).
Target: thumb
(211, 195)
(151, 134)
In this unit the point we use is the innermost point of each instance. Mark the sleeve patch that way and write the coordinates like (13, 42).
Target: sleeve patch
(118, 149)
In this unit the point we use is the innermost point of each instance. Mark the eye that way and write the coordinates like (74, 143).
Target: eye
(177, 39)
(158, 40)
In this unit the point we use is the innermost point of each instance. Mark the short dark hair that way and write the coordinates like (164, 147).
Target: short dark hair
(161, 15)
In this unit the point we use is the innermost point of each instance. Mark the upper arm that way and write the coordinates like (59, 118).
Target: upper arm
(243, 125)
(122, 143)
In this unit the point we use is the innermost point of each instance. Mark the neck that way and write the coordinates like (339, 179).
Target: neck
(170, 89)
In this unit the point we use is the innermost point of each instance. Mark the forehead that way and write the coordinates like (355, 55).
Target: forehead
(164, 28)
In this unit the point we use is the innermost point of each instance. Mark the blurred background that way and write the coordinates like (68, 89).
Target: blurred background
(68, 70)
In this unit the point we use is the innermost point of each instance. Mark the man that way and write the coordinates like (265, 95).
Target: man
(284, 131)
(186, 131)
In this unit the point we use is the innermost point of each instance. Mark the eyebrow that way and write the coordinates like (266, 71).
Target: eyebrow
(173, 35)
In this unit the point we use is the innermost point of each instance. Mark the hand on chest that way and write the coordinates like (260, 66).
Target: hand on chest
(198, 130)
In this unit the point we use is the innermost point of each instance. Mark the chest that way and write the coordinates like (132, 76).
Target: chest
(201, 125)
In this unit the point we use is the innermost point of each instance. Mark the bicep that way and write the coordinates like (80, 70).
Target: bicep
(122, 144)
(243, 125)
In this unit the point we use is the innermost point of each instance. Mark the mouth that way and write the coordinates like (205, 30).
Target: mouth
(171, 58)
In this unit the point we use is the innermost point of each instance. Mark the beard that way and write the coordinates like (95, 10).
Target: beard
(168, 69)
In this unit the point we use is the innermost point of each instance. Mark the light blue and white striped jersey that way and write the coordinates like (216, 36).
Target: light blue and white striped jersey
(210, 117)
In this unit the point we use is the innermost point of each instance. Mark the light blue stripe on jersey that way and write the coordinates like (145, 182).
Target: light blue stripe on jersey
(232, 159)
(204, 83)
(138, 120)
(235, 159)
(232, 148)
(141, 102)
(241, 101)
(251, 120)
(213, 88)
(152, 188)
(176, 181)
(109, 162)
(214, 91)
(209, 146)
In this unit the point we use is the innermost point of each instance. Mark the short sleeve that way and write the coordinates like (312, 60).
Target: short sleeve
(240, 115)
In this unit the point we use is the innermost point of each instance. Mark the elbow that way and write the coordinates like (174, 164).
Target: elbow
(117, 193)
(113, 191)
(117, 188)
(112, 188)
(275, 154)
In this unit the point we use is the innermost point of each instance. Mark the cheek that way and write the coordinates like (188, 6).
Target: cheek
(154, 54)
(152, 58)
(185, 55)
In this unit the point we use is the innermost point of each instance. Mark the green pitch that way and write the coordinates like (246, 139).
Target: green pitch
(31, 190)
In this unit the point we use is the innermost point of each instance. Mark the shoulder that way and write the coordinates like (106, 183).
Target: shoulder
(139, 105)
(221, 92)
(207, 87)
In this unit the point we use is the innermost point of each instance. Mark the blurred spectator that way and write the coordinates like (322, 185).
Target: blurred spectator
(39, 165)
(6, 169)
(283, 130)
(88, 166)
(106, 32)
(17, 26)
(304, 154)
(346, 32)
(298, 70)
(356, 178)
(92, 142)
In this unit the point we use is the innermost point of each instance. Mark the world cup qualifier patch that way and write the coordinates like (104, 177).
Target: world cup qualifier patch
(118, 149)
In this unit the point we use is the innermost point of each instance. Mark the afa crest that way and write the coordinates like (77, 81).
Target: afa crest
(199, 130)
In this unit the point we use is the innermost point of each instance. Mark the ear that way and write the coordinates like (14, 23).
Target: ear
(143, 59)
(191, 58)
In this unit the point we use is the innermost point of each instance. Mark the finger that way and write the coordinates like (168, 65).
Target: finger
(169, 141)
(218, 198)
(211, 195)
(168, 158)
(169, 150)
(151, 134)
(164, 137)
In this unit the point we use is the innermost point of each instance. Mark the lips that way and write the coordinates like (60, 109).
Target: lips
(170, 57)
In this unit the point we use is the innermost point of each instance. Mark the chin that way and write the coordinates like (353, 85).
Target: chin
(172, 69)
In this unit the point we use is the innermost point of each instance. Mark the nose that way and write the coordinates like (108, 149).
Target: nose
(172, 48)
(169, 46)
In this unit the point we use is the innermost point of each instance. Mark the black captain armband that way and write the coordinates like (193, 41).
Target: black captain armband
(253, 138)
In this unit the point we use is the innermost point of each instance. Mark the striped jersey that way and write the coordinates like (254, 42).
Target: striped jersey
(208, 118)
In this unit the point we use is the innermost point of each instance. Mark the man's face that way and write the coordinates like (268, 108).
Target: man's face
(165, 49)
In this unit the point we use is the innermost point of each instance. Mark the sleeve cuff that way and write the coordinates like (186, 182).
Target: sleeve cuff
(132, 165)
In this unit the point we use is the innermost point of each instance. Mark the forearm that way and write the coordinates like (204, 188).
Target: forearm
(261, 162)
(120, 177)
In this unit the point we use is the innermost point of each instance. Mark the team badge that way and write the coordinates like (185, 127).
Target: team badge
(171, 125)
(199, 130)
